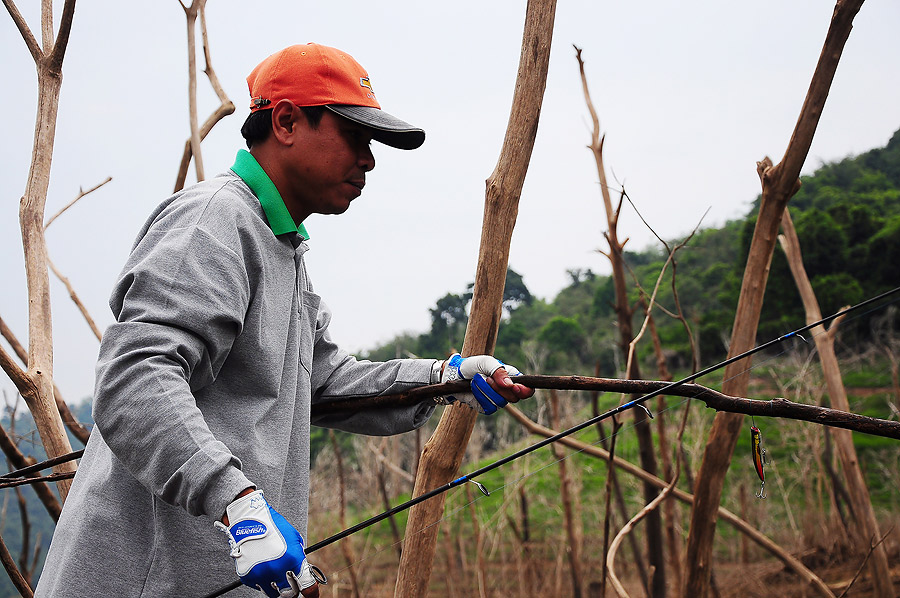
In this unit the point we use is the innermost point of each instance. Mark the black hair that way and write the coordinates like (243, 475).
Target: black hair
(258, 125)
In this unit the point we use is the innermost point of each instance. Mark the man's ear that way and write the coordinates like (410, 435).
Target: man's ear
(284, 121)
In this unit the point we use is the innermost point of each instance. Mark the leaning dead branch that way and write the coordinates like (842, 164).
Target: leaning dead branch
(15, 575)
(861, 504)
(724, 514)
(778, 407)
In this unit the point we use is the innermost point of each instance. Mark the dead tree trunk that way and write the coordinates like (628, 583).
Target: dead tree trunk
(866, 528)
(624, 313)
(779, 184)
(36, 383)
(443, 453)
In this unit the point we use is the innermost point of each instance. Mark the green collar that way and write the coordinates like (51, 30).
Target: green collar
(280, 221)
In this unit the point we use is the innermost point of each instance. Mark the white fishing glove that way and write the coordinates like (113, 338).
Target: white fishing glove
(267, 550)
(483, 398)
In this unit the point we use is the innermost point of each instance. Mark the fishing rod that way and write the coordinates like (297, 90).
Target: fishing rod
(638, 402)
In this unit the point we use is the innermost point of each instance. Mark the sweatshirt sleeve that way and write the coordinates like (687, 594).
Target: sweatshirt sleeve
(179, 304)
(337, 375)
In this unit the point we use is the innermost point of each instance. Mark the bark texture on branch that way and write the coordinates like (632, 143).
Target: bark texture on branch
(444, 451)
(777, 407)
(779, 183)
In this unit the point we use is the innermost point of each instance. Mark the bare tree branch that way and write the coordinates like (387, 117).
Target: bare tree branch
(76, 300)
(15, 373)
(23, 28)
(81, 194)
(19, 460)
(624, 313)
(14, 574)
(866, 523)
(225, 108)
(872, 547)
(38, 393)
(724, 514)
(62, 36)
(778, 407)
(190, 12)
(74, 426)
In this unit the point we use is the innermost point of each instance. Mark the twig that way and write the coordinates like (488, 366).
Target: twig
(17, 459)
(862, 566)
(14, 574)
(76, 300)
(23, 28)
(42, 465)
(53, 477)
(81, 194)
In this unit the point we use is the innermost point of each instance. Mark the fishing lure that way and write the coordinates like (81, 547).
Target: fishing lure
(759, 459)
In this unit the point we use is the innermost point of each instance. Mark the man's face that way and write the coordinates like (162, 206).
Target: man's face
(327, 166)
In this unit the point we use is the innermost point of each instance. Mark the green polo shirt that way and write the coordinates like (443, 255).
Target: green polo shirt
(280, 221)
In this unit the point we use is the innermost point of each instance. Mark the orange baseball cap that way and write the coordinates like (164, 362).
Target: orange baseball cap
(316, 75)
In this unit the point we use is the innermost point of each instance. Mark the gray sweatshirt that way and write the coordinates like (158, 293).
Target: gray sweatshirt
(204, 387)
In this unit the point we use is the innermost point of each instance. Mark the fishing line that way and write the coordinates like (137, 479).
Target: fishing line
(638, 402)
(625, 406)
(507, 483)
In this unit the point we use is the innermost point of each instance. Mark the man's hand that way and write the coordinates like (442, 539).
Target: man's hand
(491, 384)
(267, 550)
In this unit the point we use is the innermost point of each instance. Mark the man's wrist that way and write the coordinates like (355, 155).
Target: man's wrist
(242, 493)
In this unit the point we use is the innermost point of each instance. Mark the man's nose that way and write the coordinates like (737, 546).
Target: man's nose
(366, 159)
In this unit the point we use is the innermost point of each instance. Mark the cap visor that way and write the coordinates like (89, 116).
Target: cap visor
(386, 128)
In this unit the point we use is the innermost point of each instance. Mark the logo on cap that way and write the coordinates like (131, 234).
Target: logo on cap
(364, 82)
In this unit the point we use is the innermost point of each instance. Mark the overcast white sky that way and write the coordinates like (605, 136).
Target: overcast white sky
(690, 95)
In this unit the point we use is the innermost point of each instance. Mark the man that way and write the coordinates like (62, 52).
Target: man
(219, 350)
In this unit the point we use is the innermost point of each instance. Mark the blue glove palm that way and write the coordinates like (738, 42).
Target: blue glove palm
(483, 399)
(267, 550)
